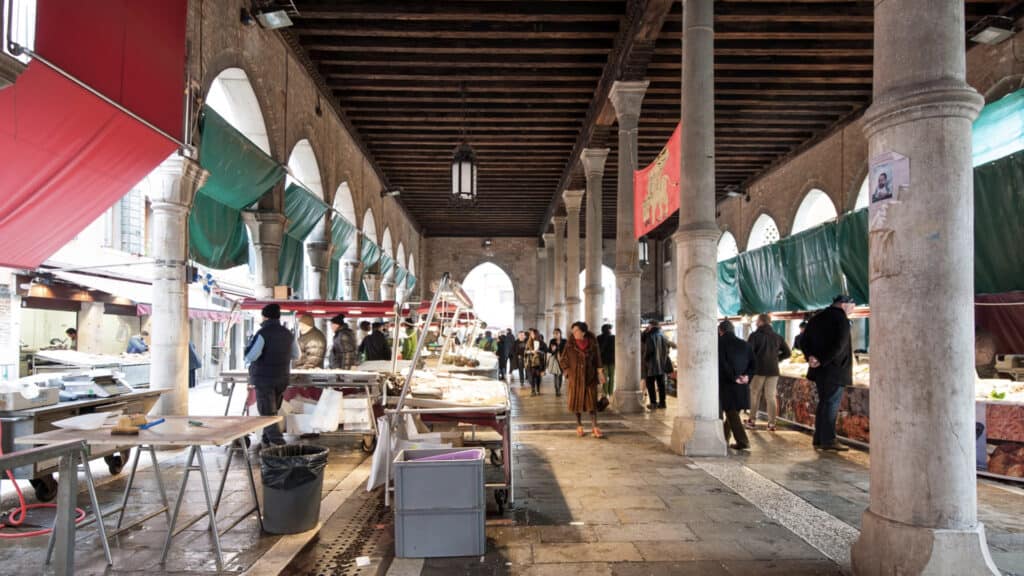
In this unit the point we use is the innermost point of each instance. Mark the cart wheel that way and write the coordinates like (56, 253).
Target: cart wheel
(369, 443)
(248, 442)
(45, 488)
(501, 498)
(115, 462)
(497, 457)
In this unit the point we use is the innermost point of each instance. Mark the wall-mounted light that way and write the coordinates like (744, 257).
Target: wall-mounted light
(991, 30)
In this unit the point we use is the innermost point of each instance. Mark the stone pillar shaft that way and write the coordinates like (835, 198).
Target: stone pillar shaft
(542, 281)
(697, 428)
(923, 513)
(573, 201)
(319, 260)
(627, 98)
(353, 270)
(558, 266)
(549, 284)
(372, 282)
(177, 181)
(593, 160)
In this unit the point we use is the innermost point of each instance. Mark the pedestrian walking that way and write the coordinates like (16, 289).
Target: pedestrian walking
(269, 356)
(506, 350)
(343, 345)
(769, 348)
(581, 363)
(519, 357)
(606, 342)
(555, 348)
(655, 360)
(826, 344)
(735, 369)
(535, 361)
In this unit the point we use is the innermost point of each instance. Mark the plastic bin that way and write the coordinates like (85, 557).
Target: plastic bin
(293, 479)
(440, 505)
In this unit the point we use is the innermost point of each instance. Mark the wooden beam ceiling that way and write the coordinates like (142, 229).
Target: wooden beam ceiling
(526, 84)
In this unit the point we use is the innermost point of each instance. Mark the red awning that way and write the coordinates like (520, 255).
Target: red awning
(68, 155)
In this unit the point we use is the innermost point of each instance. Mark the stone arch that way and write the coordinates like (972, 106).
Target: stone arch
(386, 243)
(489, 300)
(858, 197)
(816, 207)
(727, 246)
(344, 204)
(232, 62)
(763, 231)
(368, 226)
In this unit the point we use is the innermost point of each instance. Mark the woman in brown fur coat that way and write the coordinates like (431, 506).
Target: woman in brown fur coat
(581, 363)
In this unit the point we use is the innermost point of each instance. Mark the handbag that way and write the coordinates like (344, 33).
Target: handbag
(602, 403)
(554, 367)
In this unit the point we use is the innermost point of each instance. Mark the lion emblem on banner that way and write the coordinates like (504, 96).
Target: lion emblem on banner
(655, 204)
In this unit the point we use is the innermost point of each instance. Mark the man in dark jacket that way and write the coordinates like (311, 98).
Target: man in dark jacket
(343, 346)
(375, 346)
(654, 354)
(798, 341)
(506, 348)
(735, 368)
(269, 356)
(827, 346)
(606, 343)
(769, 348)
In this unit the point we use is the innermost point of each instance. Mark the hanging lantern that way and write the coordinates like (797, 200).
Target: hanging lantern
(643, 248)
(464, 176)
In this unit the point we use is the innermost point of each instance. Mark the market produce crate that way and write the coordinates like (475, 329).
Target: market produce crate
(440, 505)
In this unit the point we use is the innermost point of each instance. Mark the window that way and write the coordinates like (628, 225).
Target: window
(763, 233)
(727, 247)
(816, 208)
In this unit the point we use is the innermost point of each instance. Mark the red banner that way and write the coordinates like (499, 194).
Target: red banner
(656, 188)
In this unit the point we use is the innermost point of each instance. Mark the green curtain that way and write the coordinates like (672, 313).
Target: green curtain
(400, 276)
(852, 241)
(999, 129)
(217, 235)
(760, 281)
(342, 234)
(302, 210)
(240, 173)
(811, 274)
(386, 264)
(369, 253)
(999, 225)
(728, 287)
(363, 294)
(410, 282)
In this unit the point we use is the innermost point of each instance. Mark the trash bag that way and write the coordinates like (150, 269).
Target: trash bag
(327, 414)
(292, 465)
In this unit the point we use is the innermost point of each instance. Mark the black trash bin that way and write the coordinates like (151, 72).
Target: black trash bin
(293, 477)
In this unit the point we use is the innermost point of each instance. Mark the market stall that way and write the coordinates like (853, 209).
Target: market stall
(133, 368)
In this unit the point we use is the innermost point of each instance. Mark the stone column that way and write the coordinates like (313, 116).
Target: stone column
(90, 328)
(549, 283)
(266, 229)
(353, 275)
(593, 160)
(372, 282)
(627, 97)
(573, 200)
(387, 285)
(923, 513)
(697, 429)
(542, 292)
(558, 267)
(176, 182)
(320, 260)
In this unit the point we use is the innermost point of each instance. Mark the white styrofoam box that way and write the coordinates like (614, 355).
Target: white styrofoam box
(299, 423)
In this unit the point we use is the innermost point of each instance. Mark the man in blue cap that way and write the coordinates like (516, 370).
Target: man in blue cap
(826, 343)
(269, 356)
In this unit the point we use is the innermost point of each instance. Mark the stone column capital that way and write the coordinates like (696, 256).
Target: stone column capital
(559, 222)
(593, 160)
(265, 228)
(177, 180)
(945, 99)
(706, 233)
(627, 97)
(573, 200)
(542, 253)
(549, 238)
(319, 255)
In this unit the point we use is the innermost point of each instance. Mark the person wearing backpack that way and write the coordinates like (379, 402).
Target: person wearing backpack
(555, 348)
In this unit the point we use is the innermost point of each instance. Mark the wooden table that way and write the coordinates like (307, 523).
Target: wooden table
(176, 431)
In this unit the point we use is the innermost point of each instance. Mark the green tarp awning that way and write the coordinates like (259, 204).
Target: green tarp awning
(811, 275)
(400, 276)
(302, 211)
(410, 282)
(728, 287)
(852, 241)
(240, 173)
(999, 225)
(760, 281)
(369, 253)
(386, 264)
(999, 129)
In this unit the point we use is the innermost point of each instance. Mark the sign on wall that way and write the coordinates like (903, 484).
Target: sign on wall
(656, 188)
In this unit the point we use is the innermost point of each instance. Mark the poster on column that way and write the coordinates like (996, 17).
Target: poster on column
(656, 188)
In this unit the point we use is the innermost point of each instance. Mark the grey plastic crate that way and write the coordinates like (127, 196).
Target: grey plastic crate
(438, 534)
(439, 486)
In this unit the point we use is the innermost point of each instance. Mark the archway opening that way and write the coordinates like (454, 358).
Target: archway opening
(727, 247)
(816, 208)
(304, 170)
(763, 232)
(862, 195)
(493, 296)
(608, 303)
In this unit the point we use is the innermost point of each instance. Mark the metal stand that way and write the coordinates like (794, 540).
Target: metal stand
(97, 513)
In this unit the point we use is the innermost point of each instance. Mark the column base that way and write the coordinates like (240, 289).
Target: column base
(627, 401)
(887, 547)
(698, 437)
